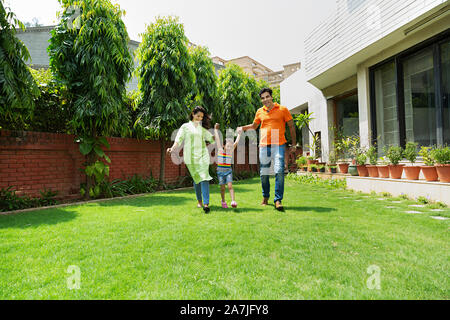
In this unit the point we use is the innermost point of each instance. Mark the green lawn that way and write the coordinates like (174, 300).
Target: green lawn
(161, 246)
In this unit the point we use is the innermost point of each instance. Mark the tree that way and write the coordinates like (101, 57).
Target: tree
(205, 89)
(234, 92)
(89, 58)
(166, 80)
(17, 86)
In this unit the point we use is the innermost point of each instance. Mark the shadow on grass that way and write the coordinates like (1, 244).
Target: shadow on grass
(35, 219)
(310, 209)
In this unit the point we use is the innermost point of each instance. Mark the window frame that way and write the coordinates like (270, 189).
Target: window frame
(433, 42)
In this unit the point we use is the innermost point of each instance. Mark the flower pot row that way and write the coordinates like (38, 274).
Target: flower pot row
(431, 173)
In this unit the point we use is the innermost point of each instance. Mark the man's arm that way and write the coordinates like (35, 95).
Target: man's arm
(252, 126)
(293, 134)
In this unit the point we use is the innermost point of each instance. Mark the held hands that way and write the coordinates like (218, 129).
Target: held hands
(217, 126)
(170, 150)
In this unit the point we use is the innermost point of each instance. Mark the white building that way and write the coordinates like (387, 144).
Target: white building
(380, 69)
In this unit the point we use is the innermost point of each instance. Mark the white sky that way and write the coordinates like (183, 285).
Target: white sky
(269, 31)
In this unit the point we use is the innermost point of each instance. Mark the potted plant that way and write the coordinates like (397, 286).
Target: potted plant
(429, 170)
(361, 158)
(342, 146)
(372, 167)
(354, 151)
(332, 168)
(383, 168)
(313, 167)
(410, 153)
(442, 158)
(321, 168)
(311, 160)
(301, 162)
(395, 154)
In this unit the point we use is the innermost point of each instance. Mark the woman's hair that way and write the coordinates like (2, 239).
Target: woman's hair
(206, 123)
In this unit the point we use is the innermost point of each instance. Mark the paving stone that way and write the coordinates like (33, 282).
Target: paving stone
(437, 210)
(381, 199)
(417, 206)
(391, 207)
(414, 212)
(397, 201)
(440, 218)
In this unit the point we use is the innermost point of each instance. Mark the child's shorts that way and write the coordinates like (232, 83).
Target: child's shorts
(225, 177)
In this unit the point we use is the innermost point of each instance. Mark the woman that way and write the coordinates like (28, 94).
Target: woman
(196, 155)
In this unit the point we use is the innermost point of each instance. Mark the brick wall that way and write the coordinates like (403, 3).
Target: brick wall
(34, 161)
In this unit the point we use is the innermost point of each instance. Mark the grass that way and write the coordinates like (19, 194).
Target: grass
(161, 246)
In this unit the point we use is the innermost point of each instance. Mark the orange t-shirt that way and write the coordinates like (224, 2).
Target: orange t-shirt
(273, 124)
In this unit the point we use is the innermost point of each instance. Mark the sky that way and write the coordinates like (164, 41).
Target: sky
(269, 31)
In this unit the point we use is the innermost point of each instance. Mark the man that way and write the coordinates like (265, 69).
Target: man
(273, 118)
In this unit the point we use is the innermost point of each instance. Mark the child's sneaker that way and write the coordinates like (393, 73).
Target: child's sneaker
(224, 205)
(234, 204)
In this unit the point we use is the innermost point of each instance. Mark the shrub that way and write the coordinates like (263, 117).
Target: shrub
(441, 155)
(314, 180)
(301, 161)
(372, 154)
(394, 154)
(10, 201)
(410, 152)
(425, 153)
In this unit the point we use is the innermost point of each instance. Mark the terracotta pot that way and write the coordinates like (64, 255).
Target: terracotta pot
(373, 171)
(396, 171)
(383, 171)
(430, 173)
(412, 173)
(362, 171)
(343, 167)
(443, 171)
(310, 162)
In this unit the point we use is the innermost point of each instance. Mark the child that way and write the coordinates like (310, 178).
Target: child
(224, 161)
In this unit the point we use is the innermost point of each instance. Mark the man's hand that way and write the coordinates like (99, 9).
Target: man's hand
(217, 126)
(293, 149)
(239, 130)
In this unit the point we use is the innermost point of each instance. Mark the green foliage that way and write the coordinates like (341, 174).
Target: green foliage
(441, 155)
(372, 154)
(17, 86)
(93, 64)
(315, 180)
(276, 95)
(425, 153)
(205, 90)
(235, 94)
(10, 201)
(361, 158)
(301, 161)
(423, 200)
(166, 77)
(134, 185)
(394, 154)
(410, 152)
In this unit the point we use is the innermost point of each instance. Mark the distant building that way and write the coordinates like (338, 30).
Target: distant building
(36, 39)
(259, 71)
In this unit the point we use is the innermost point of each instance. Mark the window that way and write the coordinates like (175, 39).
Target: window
(410, 96)
(348, 115)
(386, 103)
(445, 67)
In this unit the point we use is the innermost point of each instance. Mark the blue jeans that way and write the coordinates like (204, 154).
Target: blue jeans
(202, 189)
(276, 154)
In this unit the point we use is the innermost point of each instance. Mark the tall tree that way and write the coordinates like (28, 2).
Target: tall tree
(234, 92)
(205, 89)
(90, 59)
(166, 80)
(17, 86)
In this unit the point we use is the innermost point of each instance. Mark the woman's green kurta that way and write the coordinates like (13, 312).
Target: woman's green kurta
(196, 155)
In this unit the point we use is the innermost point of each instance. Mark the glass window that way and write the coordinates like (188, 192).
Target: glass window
(386, 106)
(445, 67)
(420, 100)
(348, 115)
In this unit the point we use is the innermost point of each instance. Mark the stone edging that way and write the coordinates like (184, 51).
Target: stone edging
(8, 213)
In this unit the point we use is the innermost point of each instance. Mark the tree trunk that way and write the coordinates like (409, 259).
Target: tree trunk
(163, 161)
